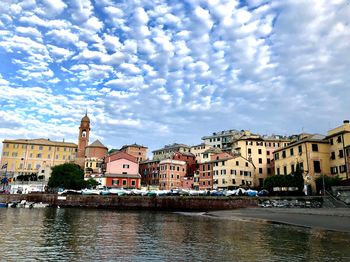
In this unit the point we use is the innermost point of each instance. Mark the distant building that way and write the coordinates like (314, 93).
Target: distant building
(94, 156)
(149, 171)
(171, 173)
(339, 140)
(138, 151)
(121, 170)
(197, 150)
(35, 156)
(168, 151)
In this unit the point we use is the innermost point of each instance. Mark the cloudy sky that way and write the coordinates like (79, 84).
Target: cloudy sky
(162, 71)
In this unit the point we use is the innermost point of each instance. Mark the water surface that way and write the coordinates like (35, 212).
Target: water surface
(94, 235)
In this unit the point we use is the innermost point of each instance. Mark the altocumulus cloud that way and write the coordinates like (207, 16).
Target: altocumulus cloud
(157, 72)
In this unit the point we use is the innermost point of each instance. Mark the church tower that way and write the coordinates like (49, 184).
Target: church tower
(83, 139)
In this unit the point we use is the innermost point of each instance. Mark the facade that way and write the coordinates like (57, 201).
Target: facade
(204, 178)
(339, 140)
(198, 150)
(310, 152)
(96, 149)
(94, 157)
(223, 139)
(168, 151)
(171, 174)
(83, 139)
(28, 156)
(121, 170)
(138, 151)
(190, 160)
(259, 151)
(149, 171)
(232, 172)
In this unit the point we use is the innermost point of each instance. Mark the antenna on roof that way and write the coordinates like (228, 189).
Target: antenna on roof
(86, 111)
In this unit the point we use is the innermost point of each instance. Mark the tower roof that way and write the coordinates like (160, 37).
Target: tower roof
(85, 118)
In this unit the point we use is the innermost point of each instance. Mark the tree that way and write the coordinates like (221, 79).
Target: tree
(328, 182)
(68, 176)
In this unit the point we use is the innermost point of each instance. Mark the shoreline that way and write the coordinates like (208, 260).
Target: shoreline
(332, 219)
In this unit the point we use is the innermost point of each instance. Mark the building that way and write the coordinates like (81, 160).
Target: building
(35, 156)
(310, 152)
(259, 151)
(149, 171)
(171, 173)
(232, 172)
(94, 157)
(198, 150)
(83, 139)
(121, 170)
(204, 177)
(190, 160)
(223, 139)
(168, 151)
(339, 140)
(138, 151)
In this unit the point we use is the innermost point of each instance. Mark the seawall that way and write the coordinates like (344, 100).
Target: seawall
(173, 203)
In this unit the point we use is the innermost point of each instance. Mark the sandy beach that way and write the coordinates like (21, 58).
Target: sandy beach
(335, 219)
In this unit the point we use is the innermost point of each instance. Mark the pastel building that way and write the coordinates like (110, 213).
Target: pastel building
(339, 140)
(198, 151)
(232, 172)
(28, 156)
(94, 157)
(168, 151)
(171, 173)
(138, 151)
(310, 152)
(121, 170)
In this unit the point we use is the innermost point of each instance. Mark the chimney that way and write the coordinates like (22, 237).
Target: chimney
(346, 121)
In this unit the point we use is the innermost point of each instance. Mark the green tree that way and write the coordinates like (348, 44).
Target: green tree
(68, 176)
(328, 182)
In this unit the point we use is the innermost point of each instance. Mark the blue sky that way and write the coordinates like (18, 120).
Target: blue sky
(156, 72)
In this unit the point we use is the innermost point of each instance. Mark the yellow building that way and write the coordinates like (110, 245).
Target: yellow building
(232, 172)
(311, 152)
(259, 151)
(339, 140)
(28, 156)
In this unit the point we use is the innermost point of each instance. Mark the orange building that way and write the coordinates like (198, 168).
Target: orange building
(171, 173)
(138, 151)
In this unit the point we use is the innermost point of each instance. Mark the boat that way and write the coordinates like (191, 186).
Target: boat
(90, 192)
(13, 204)
(40, 205)
(29, 205)
(3, 204)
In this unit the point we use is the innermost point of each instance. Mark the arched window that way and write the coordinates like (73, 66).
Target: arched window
(83, 134)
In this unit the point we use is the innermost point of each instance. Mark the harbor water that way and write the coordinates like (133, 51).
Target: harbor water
(72, 234)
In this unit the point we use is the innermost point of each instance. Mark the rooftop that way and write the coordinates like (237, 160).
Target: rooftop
(39, 141)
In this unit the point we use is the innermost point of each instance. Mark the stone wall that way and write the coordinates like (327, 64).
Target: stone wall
(172, 203)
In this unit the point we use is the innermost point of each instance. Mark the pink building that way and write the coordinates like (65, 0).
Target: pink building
(122, 170)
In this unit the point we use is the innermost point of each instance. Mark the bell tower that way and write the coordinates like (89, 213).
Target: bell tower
(83, 139)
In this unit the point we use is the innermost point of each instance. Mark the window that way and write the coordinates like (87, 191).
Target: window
(317, 166)
(32, 147)
(269, 170)
(133, 183)
(15, 146)
(300, 149)
(284, 154)
(115, 182)
(48, 156)
(249, 150)
(260, 170)
(14, 154)
(332, 155)
(277, 156)
(341, 153)
(334, 170)
(246, 164)
(49, 148)
(339, 139)
(285, 170)
(260, 160)
(124, 182)
(268, 160)
(259, 151)
(38, 155)
(125, 166)
(178, 168)
(301, 165)
(268, 153)
(314, 147)
(237, 163)
(292, 168)
(223, 163)
(331, 141)
(342, 169)
(40, 147)
(233, 181)
(292, 152)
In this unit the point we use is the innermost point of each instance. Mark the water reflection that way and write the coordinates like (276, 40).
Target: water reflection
(92, 235)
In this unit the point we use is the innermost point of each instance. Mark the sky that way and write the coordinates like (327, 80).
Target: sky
(157, 72)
